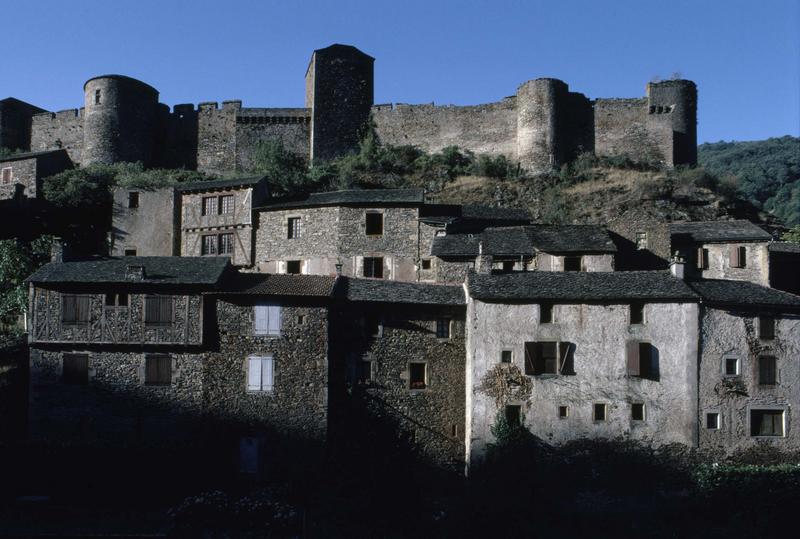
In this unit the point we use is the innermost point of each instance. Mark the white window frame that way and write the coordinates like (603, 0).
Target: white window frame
(725, 366)
(10, 175)
(260, 374)
(719, 420)
(267, 319)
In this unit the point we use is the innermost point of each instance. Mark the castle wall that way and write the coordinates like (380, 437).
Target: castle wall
(15, 123)
(489, 128)
(623, 127)
(216, 137)
(23, 179)
(292, 127)
(63, 129)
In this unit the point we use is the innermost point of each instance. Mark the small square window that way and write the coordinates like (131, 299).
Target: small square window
(374, 224)
(563, 412)
(766, 328)
(766, 422)
(293, 267)
(443, 328)
(293, 228)
(508, 266)
(545, 313)
(506, 356)
(133, 199)
(130, 252)
(417, 376)
(712, 420)
(158, 370)
(513, 415)
(572, 263)
(600, 412)
(731, 366)
(636, 313)
(426, 263)
(301, 319)
(641, 240)
(373, 267)
(637, 411)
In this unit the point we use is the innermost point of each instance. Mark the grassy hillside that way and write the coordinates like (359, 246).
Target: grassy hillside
(767, 172)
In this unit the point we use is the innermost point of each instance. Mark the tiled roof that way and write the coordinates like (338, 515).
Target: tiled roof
(376, 290)
(378, 197)
(580, 286)
(784, 247)
(211, 185)
(727, 292)
(525, 240)
(278, 284)
(157, 270)
(719, 231)
(473, 217)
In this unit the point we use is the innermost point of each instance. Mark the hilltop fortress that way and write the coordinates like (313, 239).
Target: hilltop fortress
(542, 126)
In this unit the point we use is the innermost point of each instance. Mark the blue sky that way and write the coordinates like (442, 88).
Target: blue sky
(744, 55)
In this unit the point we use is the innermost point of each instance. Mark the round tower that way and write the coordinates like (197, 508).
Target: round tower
(539, 124)
(119, 120)
(676, 100)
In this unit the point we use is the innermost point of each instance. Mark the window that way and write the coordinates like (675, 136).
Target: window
(417, 376)
(293, 228)
(513, 415)
(702, 258)
(293, 266)
(712, 420)
(731, 366)
(506, 356)
(209, 205)
(374, 224)
(75, 369)
(563, 412)
(738, 257)
(133, 199)
(7, 175)
(373, 267)
(75, 309)
(549, 357)
(260, 373)
(767, 371)
(157, 310)
(766, 328)
(426, 263)
(363, 372)
(545, 313)
(572, 263)
(157, 370)
(373, 325)
(600, 411)
(640, 359)
(636, 313)
(226, 204)
(443, 328)
(508, 266)
(130, 252)
(226, 243)
(641, 240)
(116, 300)
(267, 319)
(766, 422)
(637, 411)
(97, 97)
(209, 245)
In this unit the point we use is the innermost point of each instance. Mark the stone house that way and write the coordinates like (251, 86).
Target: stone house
(581, 355)
(21, 174)
(116, 348)
(749, 377)
(784, 259)
(145, 222)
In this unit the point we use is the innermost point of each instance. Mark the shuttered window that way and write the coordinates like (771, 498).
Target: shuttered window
(75, 309)
(158, 310)
(738, 257)
(549, 357)
(767, 371)
(702, 258)
(75, 369)
(267, 319)
(260, 373)
(373, 267)
(157, 370)
(766, 328)
(639, 359)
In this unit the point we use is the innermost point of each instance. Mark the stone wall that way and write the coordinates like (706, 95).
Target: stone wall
(734, 333)
(298, 405)
(64, 129)
(622, 129)
(756, 268)
(114, 325)
(115, 407)
(431, 420)
(151, 229)
(555, 262)
(317, 244)
(630, 256)
(15, 123)
(598, 333)
(23, 179)
(253, 126)
(216, 136)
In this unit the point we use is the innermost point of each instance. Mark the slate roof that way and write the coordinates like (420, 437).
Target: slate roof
(727, 292)
(784, 247)
(525, 240)
(211, 185)
(375, 290)
(378, 197)
(30, 155)
(269, 284)
(473, 216)
(157, 269)
(719, 231)
(580, 286)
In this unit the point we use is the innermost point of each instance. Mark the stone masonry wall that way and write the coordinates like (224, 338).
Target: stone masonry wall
(599, 334)
(298, 404)
(64, 129)
(253, 126)
(317, 244)
(735, 334)
(756, 268)
(151, 228)
(23, 179)
(623, 127)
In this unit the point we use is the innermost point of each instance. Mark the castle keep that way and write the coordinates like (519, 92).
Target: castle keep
(542, 126)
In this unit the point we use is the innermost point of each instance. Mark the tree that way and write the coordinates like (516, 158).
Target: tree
(18, 259)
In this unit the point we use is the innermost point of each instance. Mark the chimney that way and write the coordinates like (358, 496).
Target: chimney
(483, 263)
(57, 250)
(338, 269)
(677, 265)
(134, 273)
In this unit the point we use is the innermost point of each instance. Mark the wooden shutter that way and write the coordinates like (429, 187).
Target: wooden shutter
(254, 374)
(150, 370)
(75, 368)
(735, 257)
(566, 358)
(632, 352)
(151, 307)
(766, 327)
(549, 357)
(82, 309)
(68, 309)
(164, 370)
(700, 258)
(645, 359)
(267, 374)
(261, 316)
(530, 358)
(274, 320)
(165, 310)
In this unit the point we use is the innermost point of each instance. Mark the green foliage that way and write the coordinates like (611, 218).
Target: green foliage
(793, 234)
(18, 259)
(7, 152)
(287, 172)
(766, 172)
